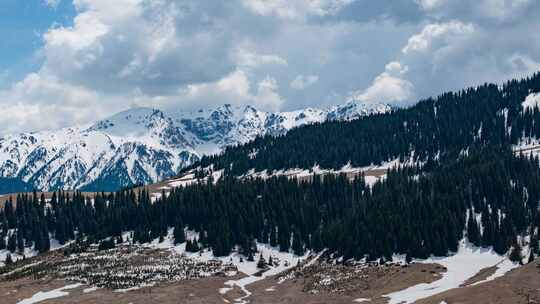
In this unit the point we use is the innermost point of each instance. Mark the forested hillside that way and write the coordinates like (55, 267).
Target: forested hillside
(446, 125)
(467, 182)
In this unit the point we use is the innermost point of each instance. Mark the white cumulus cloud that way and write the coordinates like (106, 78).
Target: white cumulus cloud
(303, 81)
(435, 34)
(388, 87)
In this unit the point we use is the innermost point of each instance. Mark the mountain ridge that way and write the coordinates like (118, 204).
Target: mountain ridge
(145, 145)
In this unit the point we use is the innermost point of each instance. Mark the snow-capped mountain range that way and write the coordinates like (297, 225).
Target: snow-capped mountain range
(143, 145)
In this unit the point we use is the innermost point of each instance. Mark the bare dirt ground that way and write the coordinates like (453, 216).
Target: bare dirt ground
(480, 276)
(342, 284)
(300, 285)
(189, 292)
(520, 286)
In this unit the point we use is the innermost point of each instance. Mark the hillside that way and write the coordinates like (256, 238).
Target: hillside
(433, 129)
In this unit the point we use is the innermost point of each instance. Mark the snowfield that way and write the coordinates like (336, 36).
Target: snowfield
(47, 295)
(531, 101)
(28, 252)
(463, 265)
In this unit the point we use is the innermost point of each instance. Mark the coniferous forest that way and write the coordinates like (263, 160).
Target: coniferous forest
(466, 181)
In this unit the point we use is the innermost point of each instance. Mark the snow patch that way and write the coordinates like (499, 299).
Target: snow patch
(502, 268)
(47, 295)
(90, 289)
(463, 265)
(531, 101)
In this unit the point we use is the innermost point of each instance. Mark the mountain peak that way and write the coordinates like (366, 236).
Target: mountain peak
(132, 122)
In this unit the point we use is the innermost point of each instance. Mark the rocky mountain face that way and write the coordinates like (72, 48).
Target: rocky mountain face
(145, 145)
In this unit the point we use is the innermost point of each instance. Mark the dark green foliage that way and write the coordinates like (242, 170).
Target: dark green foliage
(515, 254)
(192, 246)
(20, 242)
(261, 263)
(12, 243)
(408, 258)
(473, 232)
(248, 248)
(531, 257)
(297, 244)
(417, 212)
(443, 126)
(179, 234)
(9, 260)
(106, 244)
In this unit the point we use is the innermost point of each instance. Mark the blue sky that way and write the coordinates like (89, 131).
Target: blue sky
(21, 25)
(76, 61)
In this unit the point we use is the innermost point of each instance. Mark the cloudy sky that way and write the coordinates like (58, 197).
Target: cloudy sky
(65, 62)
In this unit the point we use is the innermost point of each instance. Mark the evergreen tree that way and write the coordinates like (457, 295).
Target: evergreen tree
(20, 242)
(531, 257)
(12, 243)
(515, 254)
(261, 263)
(8, 261)
(297, 245)
(273, 237)
(179, 234)
(284, 238)
(473, 232)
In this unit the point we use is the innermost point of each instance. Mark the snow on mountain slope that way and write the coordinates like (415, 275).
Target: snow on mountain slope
(145, 145)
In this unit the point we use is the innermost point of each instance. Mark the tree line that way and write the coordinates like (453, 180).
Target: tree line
(490, 196)
(465, 181)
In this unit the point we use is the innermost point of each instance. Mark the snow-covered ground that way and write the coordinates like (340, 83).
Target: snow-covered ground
(463, 265)
(52, 294)
(526, 145)
(283, 261)
(286, 261)
(28, 252)
(372, 172)
(531, 101)
(502, 268)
